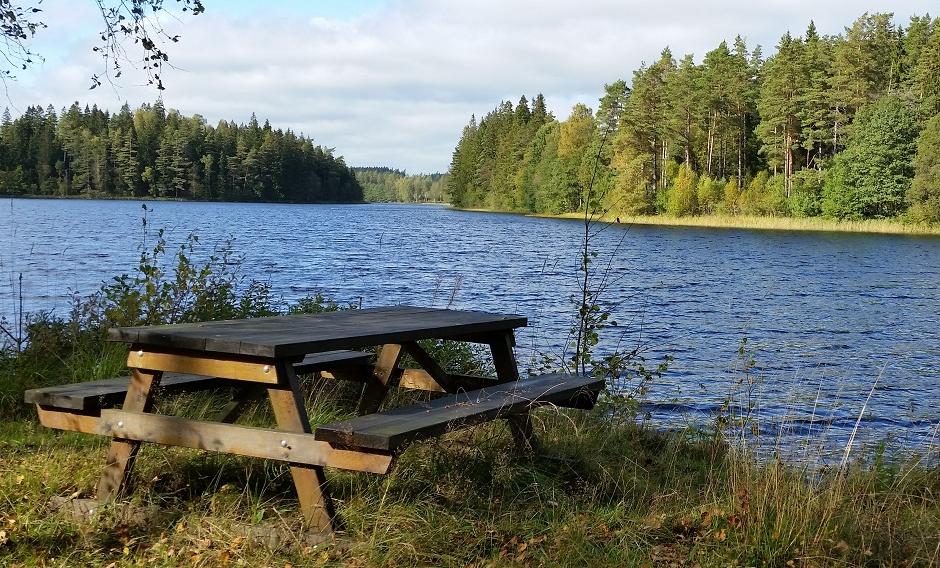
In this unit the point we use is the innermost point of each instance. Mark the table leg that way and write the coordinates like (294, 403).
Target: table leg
(507, 370)
(374, 391)
(309, 480)
(117, 470)
(241, 399)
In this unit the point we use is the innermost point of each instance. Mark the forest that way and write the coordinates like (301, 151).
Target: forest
(153, 152)
(387, 185)
(844, 126)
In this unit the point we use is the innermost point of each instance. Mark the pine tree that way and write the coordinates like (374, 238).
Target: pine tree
(916, 39)
(924, 194)
(926, 76)
(647, 116)
(784, 81)
(815, 114)
(574, 176)
(865, 64)
(683, 91)
(611, 107)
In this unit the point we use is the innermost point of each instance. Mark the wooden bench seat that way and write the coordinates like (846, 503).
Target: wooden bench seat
(316, 362)
(391, 430)
(95, 395)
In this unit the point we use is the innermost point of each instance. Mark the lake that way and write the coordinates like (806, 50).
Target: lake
(827, 314)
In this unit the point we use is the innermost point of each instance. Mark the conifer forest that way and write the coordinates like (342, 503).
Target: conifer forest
(844, 126)
(153, 152)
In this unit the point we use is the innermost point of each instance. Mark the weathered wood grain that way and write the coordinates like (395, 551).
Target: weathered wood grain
(120, 464)
(410, 378)
(341, 358)
(507, 370)
(309, 480)
(391, 430)
(239, 440)
(72, 420)
(440, 377)
(375, 389)
(93, 395)
(419, 379)
(295, 335)
(257, 370)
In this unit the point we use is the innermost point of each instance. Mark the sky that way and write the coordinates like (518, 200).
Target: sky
(392, 82)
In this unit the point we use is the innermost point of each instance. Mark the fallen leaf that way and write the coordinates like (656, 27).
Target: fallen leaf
(20, 478)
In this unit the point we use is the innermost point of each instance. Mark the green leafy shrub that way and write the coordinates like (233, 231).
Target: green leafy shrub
(72, 348)
(682, 199)
(189, 292)
(805, 198)
(871, 177)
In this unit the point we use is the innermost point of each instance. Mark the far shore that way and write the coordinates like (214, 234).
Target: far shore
(174, 199)
(754, 222)
(184, 200)
(712, 221)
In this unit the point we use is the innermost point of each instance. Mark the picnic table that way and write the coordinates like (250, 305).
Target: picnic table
(269, 355)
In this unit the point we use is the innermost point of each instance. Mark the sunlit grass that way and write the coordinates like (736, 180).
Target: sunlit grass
(603, 493)
(886, 226)
(882, 226)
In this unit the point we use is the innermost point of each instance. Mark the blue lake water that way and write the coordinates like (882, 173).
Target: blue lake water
(828, 314)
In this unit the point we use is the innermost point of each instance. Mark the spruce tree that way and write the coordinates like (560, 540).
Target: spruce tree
(783, 82)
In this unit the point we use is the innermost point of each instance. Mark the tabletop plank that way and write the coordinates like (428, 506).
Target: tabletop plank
(293, 335)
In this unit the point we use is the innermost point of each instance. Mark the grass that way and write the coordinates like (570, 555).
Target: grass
(604, 492)
(766, 223)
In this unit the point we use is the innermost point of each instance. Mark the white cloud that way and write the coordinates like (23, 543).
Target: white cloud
(395, 85)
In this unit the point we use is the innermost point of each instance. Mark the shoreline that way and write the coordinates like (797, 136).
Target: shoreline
(170, 199)
(749, 222)
(181, 200)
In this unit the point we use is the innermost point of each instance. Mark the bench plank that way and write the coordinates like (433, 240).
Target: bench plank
(93, 395)
(389, 431)
(331, 359)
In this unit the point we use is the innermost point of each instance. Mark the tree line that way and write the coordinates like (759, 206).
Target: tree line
(844, 126)
(386, 185)
(160, 153)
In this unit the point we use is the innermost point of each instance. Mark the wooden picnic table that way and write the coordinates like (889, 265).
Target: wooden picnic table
(264, 355)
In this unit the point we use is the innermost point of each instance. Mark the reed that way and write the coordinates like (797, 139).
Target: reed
(765, 223)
